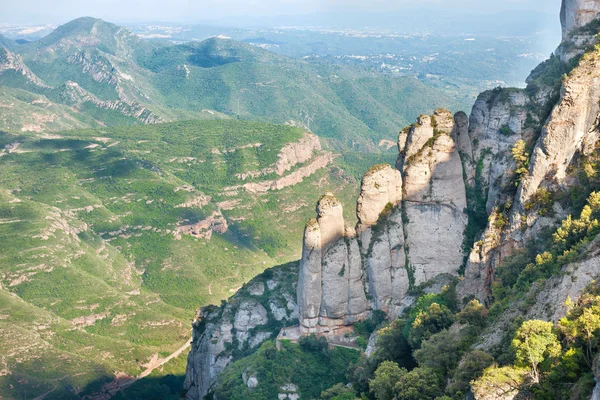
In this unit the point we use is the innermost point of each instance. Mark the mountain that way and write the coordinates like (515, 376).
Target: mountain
(117, 233)
(6, 42)
(471, 273)
(108, 76)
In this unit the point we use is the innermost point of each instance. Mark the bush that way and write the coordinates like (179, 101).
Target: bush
(313, 344)
(506, 131)
(470, 368)
(429, 322)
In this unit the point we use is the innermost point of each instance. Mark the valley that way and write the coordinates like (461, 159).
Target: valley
(152, 170)
(117, 234)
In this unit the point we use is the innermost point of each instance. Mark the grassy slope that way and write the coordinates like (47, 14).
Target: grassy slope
(87, 215)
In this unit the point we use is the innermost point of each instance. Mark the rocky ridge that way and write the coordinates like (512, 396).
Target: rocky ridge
(409, 231)
(451, 170)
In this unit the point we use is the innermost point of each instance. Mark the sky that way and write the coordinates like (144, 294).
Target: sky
(58, 11)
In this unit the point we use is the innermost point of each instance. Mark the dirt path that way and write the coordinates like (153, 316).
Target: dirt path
(160, 363)
(122, 381)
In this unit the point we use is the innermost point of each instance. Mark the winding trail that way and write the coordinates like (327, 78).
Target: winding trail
(120, 383)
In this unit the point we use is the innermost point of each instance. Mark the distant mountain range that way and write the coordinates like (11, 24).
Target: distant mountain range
(90, 73)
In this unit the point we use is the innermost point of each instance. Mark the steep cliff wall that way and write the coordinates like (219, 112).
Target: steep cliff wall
(434, 197)
(552, 146)
(410, 227)
(517, 147)
(577, 13)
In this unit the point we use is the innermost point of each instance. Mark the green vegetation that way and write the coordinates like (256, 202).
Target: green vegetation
(552, 361)
(476, 209)
(546, 256)
(521, 157)
(216, 78)
(506, 131)
(92, 218)
(311, 368)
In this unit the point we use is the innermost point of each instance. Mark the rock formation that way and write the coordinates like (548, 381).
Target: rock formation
(568, 132)
(412, 219)
(255, 314)
(399, 240)
(434, 197)
(577, 13)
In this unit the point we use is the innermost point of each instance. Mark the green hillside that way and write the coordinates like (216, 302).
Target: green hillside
(100, 276)
(109, 76)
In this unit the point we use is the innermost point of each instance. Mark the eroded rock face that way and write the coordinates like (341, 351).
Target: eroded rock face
(351, 267)
(378, 260)
(309, 280)
(331, 220)
(577, 13)
(434, 196)
(498, 120)
(381, 185)
(571, 128)
(241, 324)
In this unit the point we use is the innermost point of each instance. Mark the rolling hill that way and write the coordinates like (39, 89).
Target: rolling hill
(98, 74)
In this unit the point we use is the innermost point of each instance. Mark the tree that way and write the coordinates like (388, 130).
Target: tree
(474, 313)
(441, 352)
(313, 344)
(338, 392)
(504, 381)
(392, 345)
(583, 322)
(429, 322)
(535, 342)
(470, 368)
(387, 375)
(521, 157)
(419, 384)
(587, 324)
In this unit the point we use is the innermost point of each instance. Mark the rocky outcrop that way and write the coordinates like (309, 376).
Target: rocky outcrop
(72, 94)
(204, 229)
(572, 128)
(434, 196)
(306, 154)
(330, 288)
(410, 227)
(577, 13)
(253, 315)
(13, 62)
(289, 156)
(380, 186)
(97, 67)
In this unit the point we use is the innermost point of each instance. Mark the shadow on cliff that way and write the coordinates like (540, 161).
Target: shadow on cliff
(168, 387)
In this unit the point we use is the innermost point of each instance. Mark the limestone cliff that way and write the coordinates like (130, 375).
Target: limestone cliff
(434, 196)
(554, 143)
(577, 13)
(465, 192)
(410, 227)
(254, 314)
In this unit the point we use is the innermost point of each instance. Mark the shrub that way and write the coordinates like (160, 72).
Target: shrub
(429, 322)
(313, 344)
